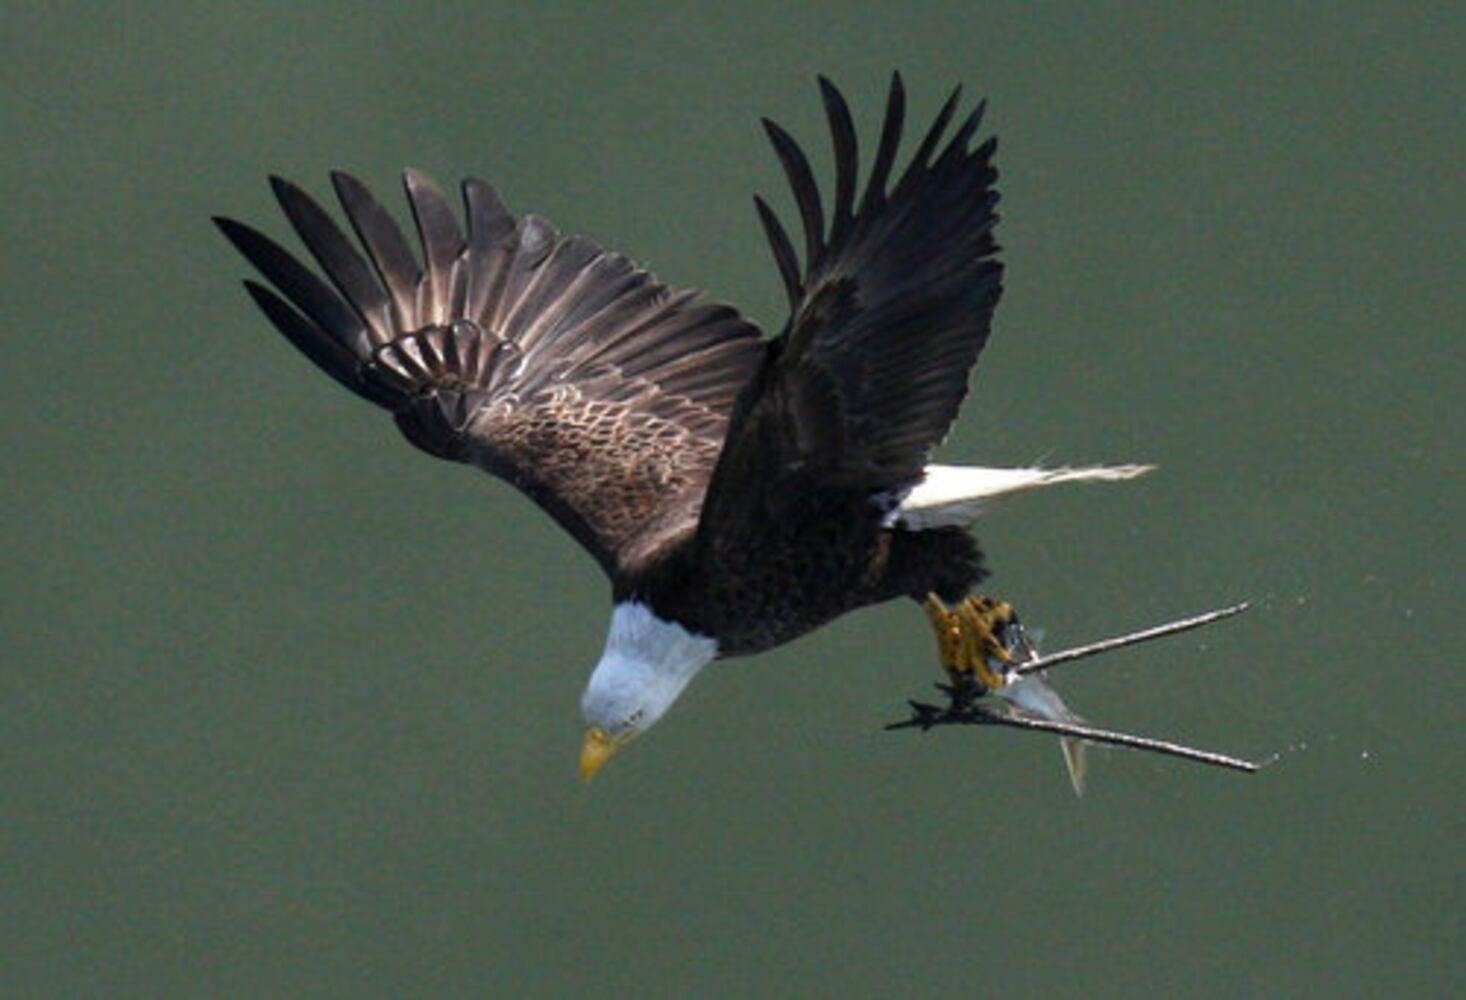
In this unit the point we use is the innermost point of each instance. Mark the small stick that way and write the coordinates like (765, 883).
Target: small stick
(976, 715)
(1130, 639)
(962, 710)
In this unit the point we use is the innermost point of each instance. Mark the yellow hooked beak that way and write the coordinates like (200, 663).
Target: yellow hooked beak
(596, 750)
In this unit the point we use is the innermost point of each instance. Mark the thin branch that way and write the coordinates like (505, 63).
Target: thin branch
(964, 709)
(1130, 639)
(926, 716)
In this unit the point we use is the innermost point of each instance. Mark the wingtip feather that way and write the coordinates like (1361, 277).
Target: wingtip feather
(785, 258)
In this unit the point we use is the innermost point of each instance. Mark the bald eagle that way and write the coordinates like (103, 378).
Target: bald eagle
(738, 490)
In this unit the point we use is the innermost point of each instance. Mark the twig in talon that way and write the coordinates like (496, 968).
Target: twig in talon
(926, 716)
(1130, 639)
(986, 651)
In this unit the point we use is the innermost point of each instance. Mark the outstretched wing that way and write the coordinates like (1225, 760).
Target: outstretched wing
(567, 370)
(887, 317)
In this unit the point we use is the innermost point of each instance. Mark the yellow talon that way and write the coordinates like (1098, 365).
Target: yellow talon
(971, 647)
(968, 637)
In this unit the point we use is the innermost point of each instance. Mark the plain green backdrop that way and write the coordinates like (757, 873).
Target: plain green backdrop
(288, 708)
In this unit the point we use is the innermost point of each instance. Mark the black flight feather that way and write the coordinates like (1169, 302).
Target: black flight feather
(889, 311)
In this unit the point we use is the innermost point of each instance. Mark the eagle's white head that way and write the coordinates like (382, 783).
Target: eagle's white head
(645, 666)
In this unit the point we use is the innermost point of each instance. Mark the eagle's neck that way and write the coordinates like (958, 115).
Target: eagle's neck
(647, 662)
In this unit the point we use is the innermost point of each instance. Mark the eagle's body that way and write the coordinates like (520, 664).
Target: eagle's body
(739, 491)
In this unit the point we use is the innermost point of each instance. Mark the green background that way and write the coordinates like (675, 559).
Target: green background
(288, 708)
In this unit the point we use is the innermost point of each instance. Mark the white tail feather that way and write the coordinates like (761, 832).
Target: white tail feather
(956, 495)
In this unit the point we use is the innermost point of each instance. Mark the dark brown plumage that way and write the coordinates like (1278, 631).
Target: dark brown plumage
(567, 370)
(740, 487)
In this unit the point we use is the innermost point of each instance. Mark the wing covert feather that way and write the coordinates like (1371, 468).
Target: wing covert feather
(562, 368)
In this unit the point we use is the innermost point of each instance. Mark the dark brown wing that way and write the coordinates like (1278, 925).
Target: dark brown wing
(890, 312)
(566, 370)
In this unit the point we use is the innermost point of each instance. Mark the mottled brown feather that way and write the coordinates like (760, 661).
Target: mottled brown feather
(562, 368)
